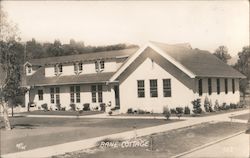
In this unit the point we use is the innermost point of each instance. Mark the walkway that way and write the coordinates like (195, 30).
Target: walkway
(88, 143)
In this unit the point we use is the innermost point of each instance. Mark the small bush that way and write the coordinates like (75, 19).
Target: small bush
(45, 107)
(140, 111)
(197, 106)
(216, 106)
(166, 112)
(103, 106)
(172, 111)
(206, 104)
(130, 111)
(187, 110)
(233, 106)
(58, 106)
(86, 107)
(223, 106)
(63, 109)
(110, 112)
(179, 110)
(73, 107)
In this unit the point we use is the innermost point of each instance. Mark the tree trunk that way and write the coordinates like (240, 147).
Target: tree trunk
(5, 116)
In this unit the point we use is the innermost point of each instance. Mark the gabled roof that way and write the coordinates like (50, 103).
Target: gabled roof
(39, 79)
(193, 62)
(84, 57)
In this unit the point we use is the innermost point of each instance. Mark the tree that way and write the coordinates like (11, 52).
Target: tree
(9, 64)
(34, 50)
(222, 53)
(243, 65)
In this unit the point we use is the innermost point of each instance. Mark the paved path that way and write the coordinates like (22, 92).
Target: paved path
(88, 143)
(237, 146)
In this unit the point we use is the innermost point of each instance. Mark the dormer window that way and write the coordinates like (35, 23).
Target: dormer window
(29, 69)
(58, 69)
(78, 68)
(99, 65)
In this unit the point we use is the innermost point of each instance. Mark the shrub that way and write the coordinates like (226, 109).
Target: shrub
(110, 112)
(86, 107)
(187, 110)
(179, 110)
(233, 106)
(206, 105)
(103, 106)
(58, 106)
(73, 107)
(172, 111)
(216, 106)
(166, 112)
(197, 106)
(63, 109)
(45, 107)
(222, 107)
(130, 111)
(210, 106)
(140, 111)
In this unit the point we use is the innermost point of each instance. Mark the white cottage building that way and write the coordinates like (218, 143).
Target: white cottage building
(148, 78)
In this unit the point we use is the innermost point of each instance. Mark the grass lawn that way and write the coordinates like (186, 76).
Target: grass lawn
(166, 144)
(40, 132)
(242, 117)
(67, 113)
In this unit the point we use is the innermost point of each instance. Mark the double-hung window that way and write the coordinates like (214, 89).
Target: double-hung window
(209, 82)
(99, 65)
(96, 91)
(226, 85)
(140, 89)
(52, 95)
(77, 67)
(218, 85)
(166, 87)
(153, 88)
(40, 94)
(58, 69)
(75, 94)
(200, 87)
(57, 95)
(233, 85)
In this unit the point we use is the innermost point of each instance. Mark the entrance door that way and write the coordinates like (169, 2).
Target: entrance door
(117, 98)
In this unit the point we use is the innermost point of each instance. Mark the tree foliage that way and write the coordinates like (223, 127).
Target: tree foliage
(36, 50)
(10, 58)
(243, 65)
(222, 53)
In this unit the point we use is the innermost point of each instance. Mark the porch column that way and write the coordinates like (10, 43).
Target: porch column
(27, 97)
(112, 96)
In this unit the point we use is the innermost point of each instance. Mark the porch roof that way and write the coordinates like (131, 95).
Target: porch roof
(39, 79)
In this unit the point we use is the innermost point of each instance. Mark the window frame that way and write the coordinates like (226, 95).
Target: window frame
(226, 85)
(167, 90)
(57, 95)
(93, 94)
(141, 89)
(40, 94)
(233, 85)
(200, 87)
(218, 85)
(153, 88)
(52, 95)
(209, 86)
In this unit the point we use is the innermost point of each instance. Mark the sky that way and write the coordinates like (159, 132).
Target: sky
(204, 24)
